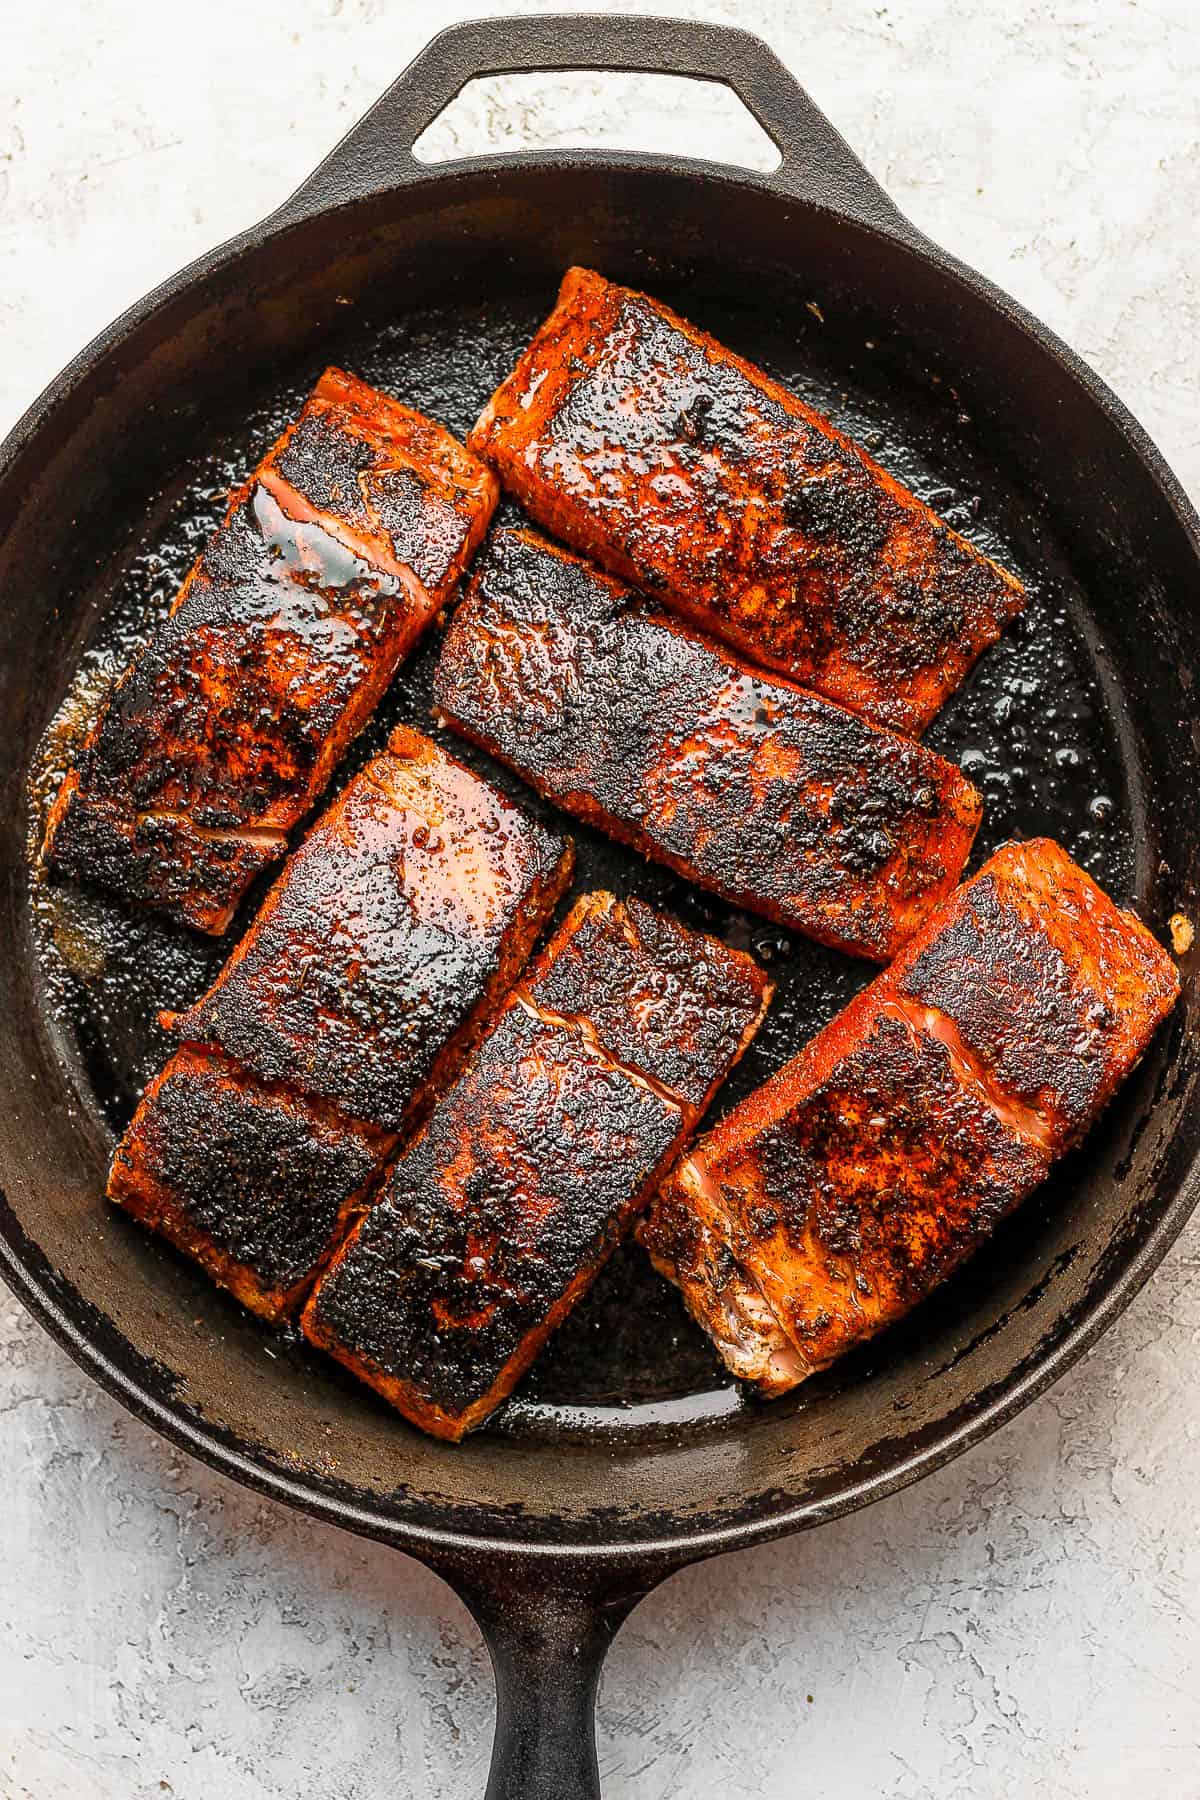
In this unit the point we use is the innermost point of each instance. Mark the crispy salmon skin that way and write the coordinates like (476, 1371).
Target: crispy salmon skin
(771, 796)
(834, 1198)
(506, 1206)
(639, 440)
(333, 557)
(394, 929)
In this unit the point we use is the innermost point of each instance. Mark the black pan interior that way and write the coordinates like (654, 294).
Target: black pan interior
(1072, 727)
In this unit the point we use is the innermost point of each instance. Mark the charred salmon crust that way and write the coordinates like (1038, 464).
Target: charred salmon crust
(494, 1222)
(376, 959)
(640, 441)
(255, 1182)
(838, 1195)
(333, 557)
(672, 1004)
(771, 796)
(507, 1204)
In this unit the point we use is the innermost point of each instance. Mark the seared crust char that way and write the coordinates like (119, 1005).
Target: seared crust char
(376, 961)
(255, 1182)
(840, 1193)
(334, 555)
(771, 796)
(679, 466)
(675, 1005)
(508, 1203)
(1050, 988)
(495, 1221)
(394, 929)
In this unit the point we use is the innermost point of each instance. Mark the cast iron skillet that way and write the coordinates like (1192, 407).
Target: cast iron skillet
(630, 1454)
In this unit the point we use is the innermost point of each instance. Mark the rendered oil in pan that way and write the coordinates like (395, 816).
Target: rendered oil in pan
(1037, 728)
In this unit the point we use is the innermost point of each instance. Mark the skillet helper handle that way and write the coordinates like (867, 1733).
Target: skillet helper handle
(817, 164)
(548, 1631)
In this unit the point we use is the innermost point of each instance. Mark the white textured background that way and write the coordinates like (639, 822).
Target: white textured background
(1024, 1624)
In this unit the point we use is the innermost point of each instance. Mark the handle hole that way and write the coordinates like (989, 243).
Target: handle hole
(669, 115)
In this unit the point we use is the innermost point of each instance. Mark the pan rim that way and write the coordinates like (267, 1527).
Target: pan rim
(668, 1551)
(671, 1549)
(899, 232)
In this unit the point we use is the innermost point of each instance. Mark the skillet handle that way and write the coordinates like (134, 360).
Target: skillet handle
(817, 164)
(548, 1631)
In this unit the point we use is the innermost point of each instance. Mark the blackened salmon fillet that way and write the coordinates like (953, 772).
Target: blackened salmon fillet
(771, 796)
(376, 961)
(333, 557)
(640, 441)
(257, 1183)
(835, 1197)
(406, 913)
(505, 1207)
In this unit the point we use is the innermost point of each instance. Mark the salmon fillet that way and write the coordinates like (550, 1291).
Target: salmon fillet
(680, 467)
(377, 957)
(505, 1207)
(255, 1182)
(770, 796)
(834, 1198)
(333, 557)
